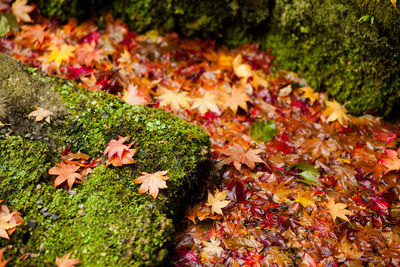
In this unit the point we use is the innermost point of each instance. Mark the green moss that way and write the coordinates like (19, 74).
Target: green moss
(324, 41)
(106, 222)
(117, 226)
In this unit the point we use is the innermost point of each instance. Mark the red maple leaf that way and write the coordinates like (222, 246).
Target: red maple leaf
(118, 153)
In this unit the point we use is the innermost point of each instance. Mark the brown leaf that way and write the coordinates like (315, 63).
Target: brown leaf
(217, 201)
(40, 114)
(242, 244)
(238, 156)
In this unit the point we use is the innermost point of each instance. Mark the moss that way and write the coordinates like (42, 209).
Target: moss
(124, 226)
(325, 41)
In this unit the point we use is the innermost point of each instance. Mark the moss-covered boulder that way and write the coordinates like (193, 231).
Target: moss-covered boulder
(356, 61)
(104, 221)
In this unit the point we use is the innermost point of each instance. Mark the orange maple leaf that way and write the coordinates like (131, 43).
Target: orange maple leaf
(151, 182)
(40, 114)
(34, 33)
(118, 153)
(15, 220)
(65, 261)
(338, 210)
(20, 10)
(217, 201)
(238, 156)
(66, 173)
(5, 225)
(237, 98)
(3, 263)
(392, 160)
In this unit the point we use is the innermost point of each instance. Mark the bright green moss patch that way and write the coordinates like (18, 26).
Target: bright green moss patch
(326, 42)
(104, 221)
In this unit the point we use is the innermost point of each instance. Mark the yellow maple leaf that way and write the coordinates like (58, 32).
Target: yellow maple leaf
(338, 210)
(217, 201)
(243, 71)
(305, 198)
(213, 248)
(152, 182)
(64, 53)
(40, 114)
(393, 3)
(206, 103)
(309, 93)
(20, 10)
(173, 99)
(335, 111)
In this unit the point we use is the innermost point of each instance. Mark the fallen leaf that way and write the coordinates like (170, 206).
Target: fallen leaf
(3, 263)
(237, 98)
(21, 10)
(335, 111)
(338, 210)
(6, 225)
(238, 156)
(217, 201)
(64, 53)
(65, 173)
(40, 114)
(243, 71)
(152, 182)
(243, 244)
(305, 198)
(206, 103)
(309, 93)
(213, 248)
(263, 131)
(65, 261)
(392, 160)
(118, 153)
(174, 100)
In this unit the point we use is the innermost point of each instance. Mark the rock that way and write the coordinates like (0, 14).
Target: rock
(109, 195)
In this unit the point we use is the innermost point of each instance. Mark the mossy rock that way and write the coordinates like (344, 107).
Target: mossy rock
(106, 222)
(355, 61)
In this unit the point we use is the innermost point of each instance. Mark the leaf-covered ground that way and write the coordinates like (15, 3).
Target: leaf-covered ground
(295, 179)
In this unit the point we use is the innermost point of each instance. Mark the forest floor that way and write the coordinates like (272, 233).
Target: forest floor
(295, 178)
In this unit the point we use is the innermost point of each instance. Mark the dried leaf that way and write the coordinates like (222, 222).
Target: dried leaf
(21, 10)
(217, 201)
(40, 114)
(338, 210)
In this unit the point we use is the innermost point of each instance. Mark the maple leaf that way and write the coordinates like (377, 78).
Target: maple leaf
(238, 156)
(392, 160)
(88, 54)
(338, 210)
(21, 10)
(40, 114)
(4, 5)
(3, 263)
(151, 182)
(6, 225)
(305, 198)
(64, 53)
(118, 153)
(241, 70)
(213, 248)
(198, 211)
(217, 201)
(65, 261)
(132, 97)
(65, 173)
(349, 249)
(319, 147)
(34, 33)
(237, 98)
(15, 220)
(206, 103)
(335, 111)
(174, 100)
(309, 93)
(345, 175)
